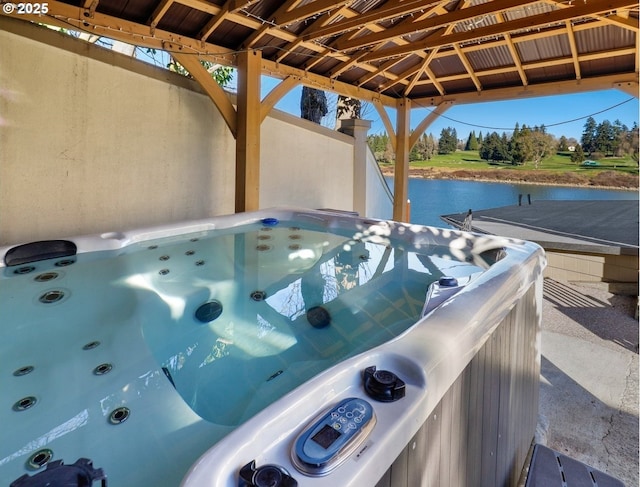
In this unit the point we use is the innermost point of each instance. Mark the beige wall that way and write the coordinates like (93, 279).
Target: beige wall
(93, 141)
(304, 164)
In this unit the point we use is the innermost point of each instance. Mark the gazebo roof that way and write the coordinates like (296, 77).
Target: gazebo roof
(381, 50)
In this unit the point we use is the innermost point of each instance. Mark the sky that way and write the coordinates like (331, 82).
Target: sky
(562, 115)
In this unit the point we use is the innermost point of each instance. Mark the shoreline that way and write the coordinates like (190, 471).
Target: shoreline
(420, 173)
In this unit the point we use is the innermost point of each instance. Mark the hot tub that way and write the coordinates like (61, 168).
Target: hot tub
(309, 346)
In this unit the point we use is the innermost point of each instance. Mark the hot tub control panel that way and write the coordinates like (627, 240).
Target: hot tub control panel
(329, 440)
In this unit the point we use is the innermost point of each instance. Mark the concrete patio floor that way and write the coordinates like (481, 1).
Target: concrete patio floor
(589, 378)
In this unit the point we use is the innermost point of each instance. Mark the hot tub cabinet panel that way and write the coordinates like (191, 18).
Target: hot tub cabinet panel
(480, 432)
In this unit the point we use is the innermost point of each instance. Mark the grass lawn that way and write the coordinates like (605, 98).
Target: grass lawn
(557, 169)
(560, 162)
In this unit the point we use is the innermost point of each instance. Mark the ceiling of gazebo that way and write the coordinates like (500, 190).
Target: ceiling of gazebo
(388, 49)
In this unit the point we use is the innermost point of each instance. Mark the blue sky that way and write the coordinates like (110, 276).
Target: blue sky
(562, 115)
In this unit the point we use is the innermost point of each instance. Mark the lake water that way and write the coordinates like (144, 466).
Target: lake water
(431, 198)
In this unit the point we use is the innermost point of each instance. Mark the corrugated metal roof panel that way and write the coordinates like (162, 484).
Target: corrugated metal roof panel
(550, 73)
(498, 80)
(448, 65)
(552, 47)
(493, 57)
(459, 86)
(606, 37)
(608, 65)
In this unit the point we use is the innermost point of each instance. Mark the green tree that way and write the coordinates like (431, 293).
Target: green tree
(619, 129)
(448, 141)
(604, 137)
(588, 139)
(472, 142)
(563, 144)
(222, 74)
(493, 148)
(425, 148)
(381, 147)
(542, 146)
(577, 155)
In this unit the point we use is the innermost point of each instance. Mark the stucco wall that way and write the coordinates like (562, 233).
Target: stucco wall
(304, 164)
(379, 196)
(93, 141)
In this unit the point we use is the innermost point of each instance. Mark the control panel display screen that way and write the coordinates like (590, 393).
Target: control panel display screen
(326, 436)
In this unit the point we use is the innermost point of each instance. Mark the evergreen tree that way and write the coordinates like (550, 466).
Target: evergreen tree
(472, 142)
(577, 155)
(604, 138)
(563, 144)
(619, 129)
(378, 144)
(448, 142)
(313, 104)
(589, 135)
(486, 150)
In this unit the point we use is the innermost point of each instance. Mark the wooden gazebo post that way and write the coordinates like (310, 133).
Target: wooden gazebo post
(248, 136)
(401, 173)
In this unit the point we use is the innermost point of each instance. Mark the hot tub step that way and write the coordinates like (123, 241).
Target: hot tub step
(552, 469)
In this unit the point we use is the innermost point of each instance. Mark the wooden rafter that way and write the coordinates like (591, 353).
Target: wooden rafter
(514, 53)
(388, 11)
(250, 41)
(533, 22)
(439, 21)
(424, 67)
(158, 13)
(229, 7)
(574, 49)
(308, 10)
(386, 66)
(323, 20)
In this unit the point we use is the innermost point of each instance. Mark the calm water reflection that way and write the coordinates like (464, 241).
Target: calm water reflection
(431, 198)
